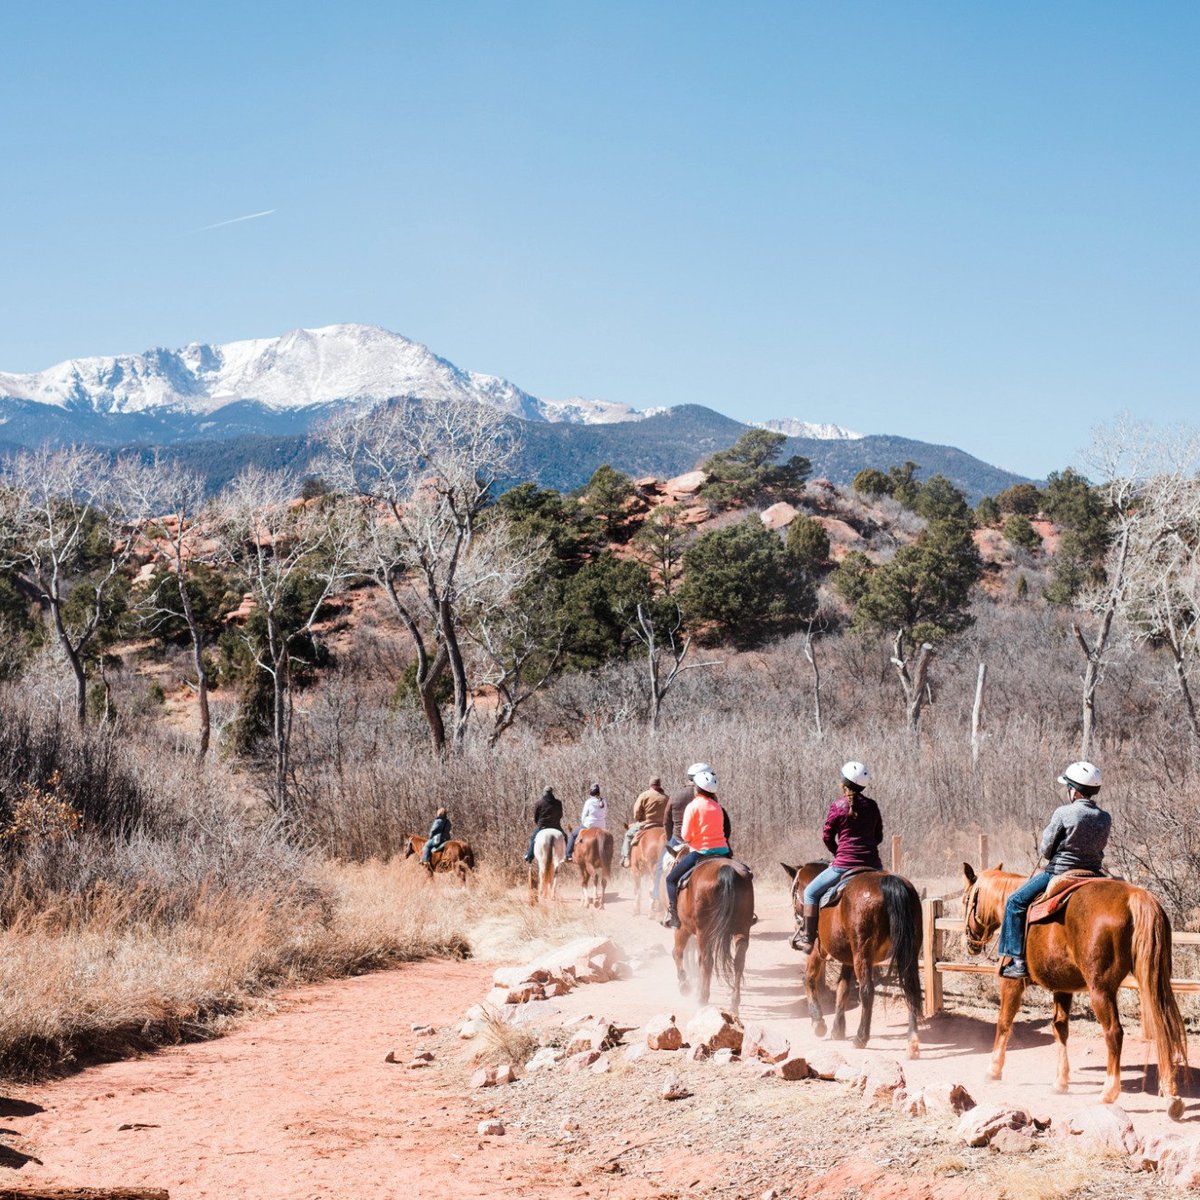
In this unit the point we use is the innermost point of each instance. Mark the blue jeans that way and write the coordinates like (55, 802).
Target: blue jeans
(823, 882)
(682, 866)
(673, 844)
(430, 847)
(1012, 931)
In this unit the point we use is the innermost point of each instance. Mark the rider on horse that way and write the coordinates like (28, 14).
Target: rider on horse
(673, 820)
(594, 816)
(853, 831)
(547, 814)
(1073, 841)
(649, 809)
(705, 833)
(439, 835)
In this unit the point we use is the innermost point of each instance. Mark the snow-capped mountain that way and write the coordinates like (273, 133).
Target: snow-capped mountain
(821, 431)
(273, 386)
(301, 369)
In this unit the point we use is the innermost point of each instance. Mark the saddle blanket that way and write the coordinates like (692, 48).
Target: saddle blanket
(1055, 897)
(831, 897)
(738, 866)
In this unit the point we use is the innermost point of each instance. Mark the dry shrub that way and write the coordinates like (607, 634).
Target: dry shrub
(500, 1042)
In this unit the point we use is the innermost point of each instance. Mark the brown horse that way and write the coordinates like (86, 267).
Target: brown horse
(717, 909)
(643, 863)
(455, 857)
(593, 855)
(878, 917)
(1108, 930)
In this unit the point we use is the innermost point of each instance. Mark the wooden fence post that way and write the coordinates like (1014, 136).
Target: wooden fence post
(983, 852)
(931, 951)
(897, 854)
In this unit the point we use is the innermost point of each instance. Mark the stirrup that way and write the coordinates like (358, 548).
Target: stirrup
(671, 921)
(1016, 969)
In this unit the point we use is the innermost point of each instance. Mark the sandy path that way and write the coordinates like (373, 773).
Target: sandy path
(300, 1104)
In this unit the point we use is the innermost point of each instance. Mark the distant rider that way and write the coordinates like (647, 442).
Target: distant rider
(705, 832)
(1074, 840)
(852, 833)
(649, 809)
(439, 835)
(594, 816)
(547, 814)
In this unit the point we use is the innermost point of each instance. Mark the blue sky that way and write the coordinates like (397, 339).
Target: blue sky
(972, 224)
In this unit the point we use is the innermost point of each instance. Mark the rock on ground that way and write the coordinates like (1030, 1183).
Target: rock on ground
(715, 1029)
(884, 1079)
(1104, 1129)
(663, 1034)
(979, 1125)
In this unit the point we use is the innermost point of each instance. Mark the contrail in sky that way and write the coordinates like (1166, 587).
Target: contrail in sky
(234, 220)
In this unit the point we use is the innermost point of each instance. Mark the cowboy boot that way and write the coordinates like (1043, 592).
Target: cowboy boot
(805, 936)
(671, 920)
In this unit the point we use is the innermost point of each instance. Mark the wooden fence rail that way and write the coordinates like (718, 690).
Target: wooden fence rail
(934, 964)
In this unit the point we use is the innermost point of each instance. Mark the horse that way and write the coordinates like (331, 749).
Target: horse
(643, 863)
(1109, 929)
(549, 850)
(593, 855)
(878, 917)
(454, 856)
(717, 909)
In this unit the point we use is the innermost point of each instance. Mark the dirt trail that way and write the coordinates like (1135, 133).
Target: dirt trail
(300, 1104)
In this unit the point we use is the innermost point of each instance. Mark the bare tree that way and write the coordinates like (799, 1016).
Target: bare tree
(667, 646)
(810, 653)
(291, 557)
(62, 541)
(1133, 464)
(914, 678)
(166, 505)
(426, 471)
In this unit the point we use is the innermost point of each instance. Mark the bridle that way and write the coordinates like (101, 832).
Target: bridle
(975, 935)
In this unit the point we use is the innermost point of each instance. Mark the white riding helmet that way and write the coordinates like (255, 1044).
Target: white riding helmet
(706, 781)
(856, 773)
(696, 768)
(1081, 774)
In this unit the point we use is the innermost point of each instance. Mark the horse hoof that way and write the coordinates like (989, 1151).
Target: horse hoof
(860, 1043)
(819, 1029)
(1061, 1088)
(1175, 1109)
(914, 1052)
(992, 1073)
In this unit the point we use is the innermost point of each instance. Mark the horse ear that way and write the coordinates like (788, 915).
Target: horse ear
(999, 866)
(968, 873)
(790, 870)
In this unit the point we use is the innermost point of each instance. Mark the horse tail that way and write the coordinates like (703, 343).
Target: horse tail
(1161, 1021)
(721, 933)
(903, 908)
(468, 856)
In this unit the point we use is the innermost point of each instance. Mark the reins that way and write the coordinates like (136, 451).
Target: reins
(973, 936)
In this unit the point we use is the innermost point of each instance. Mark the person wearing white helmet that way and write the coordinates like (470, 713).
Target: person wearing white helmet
(852, 833)
(1074, 840)
(705, 832)
(673, 821)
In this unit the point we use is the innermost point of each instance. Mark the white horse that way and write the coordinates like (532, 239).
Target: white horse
(549, 850)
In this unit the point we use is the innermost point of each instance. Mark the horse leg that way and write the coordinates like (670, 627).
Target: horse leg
(637, 892)
(812, 985)
(1011, 991)
(1062, 1015)
(866, 998)
(741, 943)
(681, 941)
(1104, 1005)
(842, 999)
(706, 967)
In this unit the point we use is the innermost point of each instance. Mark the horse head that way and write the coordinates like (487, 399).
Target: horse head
(983, 905)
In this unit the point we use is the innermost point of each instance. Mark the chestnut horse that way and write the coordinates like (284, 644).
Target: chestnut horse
(455, 856)
(549, 850)
(593, 856)
(878, 917)
(643, 863)
(717, 909)
(1108, 929)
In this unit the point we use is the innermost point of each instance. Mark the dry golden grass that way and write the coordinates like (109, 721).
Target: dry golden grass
(107, 972)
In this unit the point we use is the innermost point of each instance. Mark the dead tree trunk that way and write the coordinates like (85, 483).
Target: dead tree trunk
(977, 716)
(914, 681)
(810, 652)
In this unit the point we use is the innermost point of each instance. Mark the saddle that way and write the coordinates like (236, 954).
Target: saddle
(641, 833)
(1054, 899)
(736, 864)
(831, 897)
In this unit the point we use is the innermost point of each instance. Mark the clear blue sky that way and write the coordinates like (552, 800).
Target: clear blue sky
(966, 223)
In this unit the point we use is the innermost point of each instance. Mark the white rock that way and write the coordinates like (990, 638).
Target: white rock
(492, 1128)
(715, 1029)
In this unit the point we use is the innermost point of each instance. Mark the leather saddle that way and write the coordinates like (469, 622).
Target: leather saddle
(1054, 899)
(739, 866)
(831, 897)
